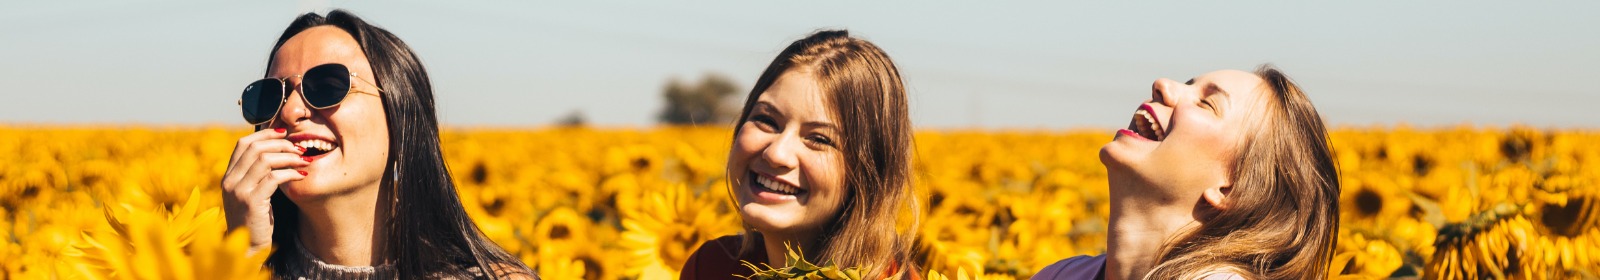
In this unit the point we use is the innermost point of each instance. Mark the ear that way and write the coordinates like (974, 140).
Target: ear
(1218, 196)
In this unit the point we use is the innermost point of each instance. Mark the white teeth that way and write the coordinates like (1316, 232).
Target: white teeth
(315, 144)
(1149, 125)
(777, 186)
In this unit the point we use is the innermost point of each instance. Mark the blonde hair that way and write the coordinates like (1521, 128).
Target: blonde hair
(1283, 209)
(864, 90)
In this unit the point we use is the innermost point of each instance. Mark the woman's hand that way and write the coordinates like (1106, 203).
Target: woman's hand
(260, 162)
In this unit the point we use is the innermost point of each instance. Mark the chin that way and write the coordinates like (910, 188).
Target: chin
(1122, 163)
(300, 190)
(1117, 155)
(767, 219)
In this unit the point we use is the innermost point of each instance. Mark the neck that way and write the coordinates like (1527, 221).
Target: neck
(776, 250)
(1139, 226)
(341, 229)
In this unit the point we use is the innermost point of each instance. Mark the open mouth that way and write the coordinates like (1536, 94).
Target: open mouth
(1146, 124)
(764, 184)
(316, 147)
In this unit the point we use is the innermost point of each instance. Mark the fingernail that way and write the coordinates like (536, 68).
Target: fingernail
(302, 149)
(302, 173)
(279, 130)
(308, 159)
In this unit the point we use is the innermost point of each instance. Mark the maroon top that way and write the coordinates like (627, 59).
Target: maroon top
(719, 259)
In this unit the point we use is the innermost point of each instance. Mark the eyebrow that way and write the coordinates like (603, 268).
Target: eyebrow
(822, 124)
(1214, 89)
(762, 106)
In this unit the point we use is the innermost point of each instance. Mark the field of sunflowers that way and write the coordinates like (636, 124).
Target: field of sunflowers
(592, 203)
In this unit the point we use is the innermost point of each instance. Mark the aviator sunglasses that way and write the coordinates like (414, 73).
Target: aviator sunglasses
(321, 87)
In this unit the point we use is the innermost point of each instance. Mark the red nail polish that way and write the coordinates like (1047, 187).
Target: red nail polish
(302, 149)
(279, 130)
(302, 173)
(307, 159)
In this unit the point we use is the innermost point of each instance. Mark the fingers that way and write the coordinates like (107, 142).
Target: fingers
(264, 166)
(250, 203)
(269, 183)
(238, 148)
(253, 153)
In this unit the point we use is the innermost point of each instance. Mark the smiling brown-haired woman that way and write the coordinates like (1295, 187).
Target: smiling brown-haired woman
(821, 161)
(1226, 176)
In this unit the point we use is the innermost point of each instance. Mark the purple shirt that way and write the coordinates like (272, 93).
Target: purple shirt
(1079, 267)
(1087, 267)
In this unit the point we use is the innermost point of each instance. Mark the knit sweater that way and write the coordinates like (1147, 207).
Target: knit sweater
(304, 265)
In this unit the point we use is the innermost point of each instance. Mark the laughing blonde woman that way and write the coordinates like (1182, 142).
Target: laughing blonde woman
(1226, 176)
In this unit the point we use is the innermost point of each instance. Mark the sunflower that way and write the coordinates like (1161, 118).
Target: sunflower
(1371, 197)
(796, 267)
(1493, 243)
(1361, 256)
(641, 160)
(183, 243)
(562, 229)
(1569, 232)
(669, 224)
(961, 274)
(560, 268)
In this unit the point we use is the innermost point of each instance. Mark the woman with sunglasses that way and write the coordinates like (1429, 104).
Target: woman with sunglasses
(1226, 176)
(344, 177)
(821, 161)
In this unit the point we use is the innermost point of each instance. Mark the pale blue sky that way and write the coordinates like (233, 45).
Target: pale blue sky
(1000, 65)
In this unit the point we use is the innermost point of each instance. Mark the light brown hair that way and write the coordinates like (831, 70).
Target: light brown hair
(1283, 209)
(863, 90)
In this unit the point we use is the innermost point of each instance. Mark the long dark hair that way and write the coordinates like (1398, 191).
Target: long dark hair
(430, 234)
(862, 87)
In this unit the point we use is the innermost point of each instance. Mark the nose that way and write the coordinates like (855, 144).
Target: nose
(780, 155)
(1163, 90)
(294, 107)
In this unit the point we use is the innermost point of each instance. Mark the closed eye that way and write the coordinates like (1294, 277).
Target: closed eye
(1214, 96)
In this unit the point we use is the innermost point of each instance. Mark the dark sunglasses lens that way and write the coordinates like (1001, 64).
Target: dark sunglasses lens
(261, 100)
(326, 85)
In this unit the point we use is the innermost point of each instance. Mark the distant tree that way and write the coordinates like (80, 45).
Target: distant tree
(711, 101)
(574, 118)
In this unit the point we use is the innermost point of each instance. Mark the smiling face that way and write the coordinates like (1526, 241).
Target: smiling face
(1184, 139)
(349, 143)
(785, 165)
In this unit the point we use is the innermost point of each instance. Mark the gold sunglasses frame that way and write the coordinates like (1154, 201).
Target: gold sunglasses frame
(283, 91)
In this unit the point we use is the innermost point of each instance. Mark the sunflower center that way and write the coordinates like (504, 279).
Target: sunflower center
(592, 268)
(559, 232)
(1368, 202)
(1567, 220)
(495, 207)
(675, 252)
(641, 163)
(1516, 148)
(480, 173)
(1421, 165)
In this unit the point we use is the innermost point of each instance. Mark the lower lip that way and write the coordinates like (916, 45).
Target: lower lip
(325, 154)
(1130, 133)
(314, 159)
(765, 196)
